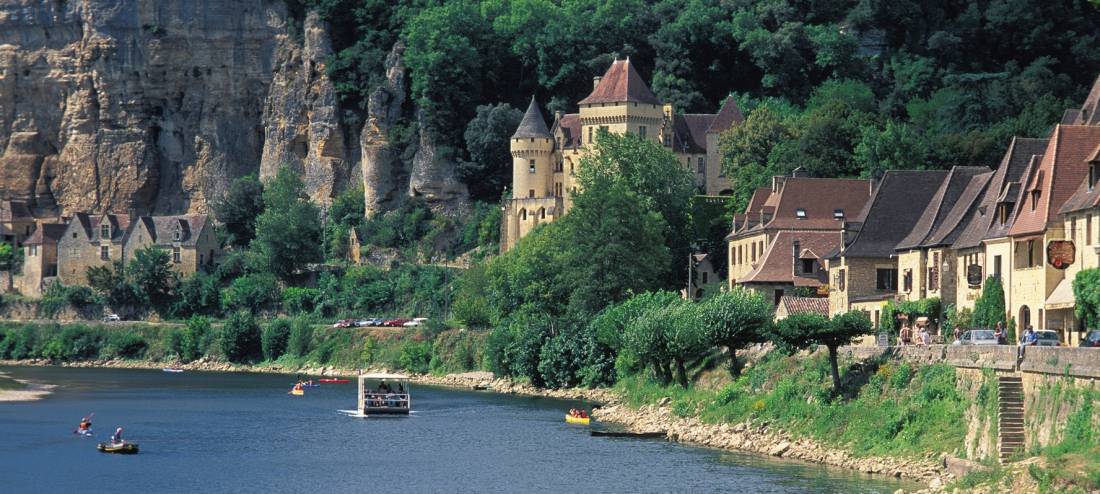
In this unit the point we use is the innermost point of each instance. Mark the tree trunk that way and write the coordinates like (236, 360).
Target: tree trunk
(836, 372)
(735, 366)
(682, 373)
(663, 373)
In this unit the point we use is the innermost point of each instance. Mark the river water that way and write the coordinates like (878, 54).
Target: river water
(235, 432)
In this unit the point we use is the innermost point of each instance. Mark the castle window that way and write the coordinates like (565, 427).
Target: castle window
(104, 252)
(641, 131)
(531, 193)
(701, 163)
(105, 231)
(176, 255)
(531, 166)
(590, 135)
(523, 214)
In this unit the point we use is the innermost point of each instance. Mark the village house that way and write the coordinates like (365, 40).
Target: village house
(16, 222)
(90, 240)
(863, 271)
(926, 261)
(39, 259)
(545, 160)
(1080, 214)
(779, 242)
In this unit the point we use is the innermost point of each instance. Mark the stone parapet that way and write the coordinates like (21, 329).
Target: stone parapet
(1068, 361)
(997, 357)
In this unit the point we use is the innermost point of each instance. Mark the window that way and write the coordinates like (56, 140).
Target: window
(876, 319)
(840, 279)
(201, 259)
(997, 266)
(105, 231)
(808, 266)
(778, 295)
(754, 252)
(523, 214)
(1073, 229)
(74, 234)
(176, 235)
(531, 166)
(34, 250)
(531, 193)
(740, 254)
(1030, 253)
(838, 214)
(701, 164)
(641, 131)
(705, 280)
(542, 213)
(907, 280)
(176, 255)
(104, 252)
(1002, 213)
(886, 279)
(934, 272)
(1034, 199)
(1094, 174)
(800, 213)
(590, 135)
(1088, 230)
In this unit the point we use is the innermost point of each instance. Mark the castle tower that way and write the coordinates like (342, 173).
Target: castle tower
(621, 102)
(532, 148)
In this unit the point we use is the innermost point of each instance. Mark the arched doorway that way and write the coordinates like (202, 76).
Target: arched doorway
(1025, 318)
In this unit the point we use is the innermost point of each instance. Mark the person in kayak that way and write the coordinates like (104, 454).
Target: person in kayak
(85, 426)
(117, 437)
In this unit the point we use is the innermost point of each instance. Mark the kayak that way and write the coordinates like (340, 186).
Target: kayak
(335, 381)
(86, 433)
(309, 384)
(576, 420)
(169, 369)
(122, 448)
(297, 392)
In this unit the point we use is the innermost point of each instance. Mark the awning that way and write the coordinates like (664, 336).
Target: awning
(1062, 296)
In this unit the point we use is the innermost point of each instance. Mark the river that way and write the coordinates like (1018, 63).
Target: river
(237, 432)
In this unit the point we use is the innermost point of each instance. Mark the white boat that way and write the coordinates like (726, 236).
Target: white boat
(172, 370)
(383, 394)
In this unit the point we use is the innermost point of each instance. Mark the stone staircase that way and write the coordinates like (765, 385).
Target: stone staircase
(1010, 417)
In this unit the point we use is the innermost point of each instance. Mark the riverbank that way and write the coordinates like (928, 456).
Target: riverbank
(12, 390)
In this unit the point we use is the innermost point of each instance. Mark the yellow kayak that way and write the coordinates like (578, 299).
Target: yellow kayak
(297, 392)
(576, 420)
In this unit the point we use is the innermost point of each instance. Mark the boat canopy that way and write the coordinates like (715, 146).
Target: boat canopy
(382, 375)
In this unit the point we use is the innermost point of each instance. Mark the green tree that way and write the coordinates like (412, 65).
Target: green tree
(150, 273)
(989, 309)
(198, 294)
(736, 319)
(803, 330)
(894, 147)
(746, 150)
(10, 257)
(487, 137)
(288, 232)
(195, 338)
(111, 283)
(240, 207)
(240, 338)
(273, 341)
(1086, 295)
(254, 292)
(301, 338)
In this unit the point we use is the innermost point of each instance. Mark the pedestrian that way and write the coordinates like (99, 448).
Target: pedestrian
(958, 333)
(999, 333)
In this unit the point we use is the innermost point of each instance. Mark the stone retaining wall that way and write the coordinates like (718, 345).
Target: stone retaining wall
(1062, 361)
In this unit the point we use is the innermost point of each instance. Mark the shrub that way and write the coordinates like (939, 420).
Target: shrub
(240, 338)
(126, 344)
(275, 337)
(416, 356)
(173, 342)
(195, 338)
(300, 300)
(301, 338)
(252, 292)
(20, 343)
(75, 342)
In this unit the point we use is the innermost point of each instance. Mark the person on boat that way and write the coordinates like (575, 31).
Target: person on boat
(572, 412)
(117, 437)
(298, 387)
(383, 387)
(85, 426)
(582, 414)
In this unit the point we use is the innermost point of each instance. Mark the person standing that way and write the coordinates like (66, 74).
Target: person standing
(999, 333)
(116, 438)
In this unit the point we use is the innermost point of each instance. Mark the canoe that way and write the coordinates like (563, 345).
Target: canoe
(336, 381)
(122, 449)
(309, 384)
(297, 392)
(576, 420)
(169, 369)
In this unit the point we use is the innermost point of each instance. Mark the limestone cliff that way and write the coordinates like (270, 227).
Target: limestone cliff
(381, 167)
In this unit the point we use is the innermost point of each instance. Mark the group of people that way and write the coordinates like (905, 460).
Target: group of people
(387, 396)
(907, 337)
(85, 429)
(578, 413)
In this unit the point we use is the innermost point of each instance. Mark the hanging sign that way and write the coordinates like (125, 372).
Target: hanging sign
(1060, 253)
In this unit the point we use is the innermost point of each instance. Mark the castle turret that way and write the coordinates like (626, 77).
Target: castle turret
(621, 102)
(532, 149)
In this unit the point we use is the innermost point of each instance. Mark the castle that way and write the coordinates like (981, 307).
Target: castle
(545, 160)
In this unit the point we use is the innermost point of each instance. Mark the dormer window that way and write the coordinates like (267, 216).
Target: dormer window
(176, 236)
(1034, 199)
(800, 213)
(1002, 213)
(105, 231)
(1094, 174)
(808, 266)
(838, 214)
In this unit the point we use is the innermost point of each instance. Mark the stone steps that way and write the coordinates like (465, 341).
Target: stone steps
(1010, 417)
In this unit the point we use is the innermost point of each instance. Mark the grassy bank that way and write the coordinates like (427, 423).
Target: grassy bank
(287, 343)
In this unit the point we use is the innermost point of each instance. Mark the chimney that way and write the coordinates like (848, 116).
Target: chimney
(557, 115)
(795, 250)
(596, 82)
(798, 172)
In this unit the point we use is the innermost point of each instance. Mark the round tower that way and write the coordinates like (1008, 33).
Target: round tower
(532, 149)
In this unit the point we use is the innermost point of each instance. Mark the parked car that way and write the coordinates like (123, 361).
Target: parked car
(977, 337)
(343, 323)
(1092, 339)
(395, 323)
(375, 322)
(416, 322)
(111, 317)
(362, 323)
(1047, 338)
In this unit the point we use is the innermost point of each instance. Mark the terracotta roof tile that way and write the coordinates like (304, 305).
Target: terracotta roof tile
(619, 84)
(1003, 184)
(570, 125)
(805, 305)
(937, 214)
(1089, 114)
(893, 210)
(728, 116)
(1060, 172)
(819, 198)
(777, 263)
(1085, 197)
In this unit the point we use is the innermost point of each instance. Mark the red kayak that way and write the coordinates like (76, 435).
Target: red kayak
(336, 381)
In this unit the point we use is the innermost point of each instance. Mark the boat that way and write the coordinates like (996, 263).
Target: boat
(172, 370)
(384, 394)
(298, 392)
(83, 433)
(577, 420)
(333, 380)
(119, 448)
(309, 384)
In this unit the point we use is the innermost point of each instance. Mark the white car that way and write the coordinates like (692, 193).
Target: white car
(112, 317)
(416, 322)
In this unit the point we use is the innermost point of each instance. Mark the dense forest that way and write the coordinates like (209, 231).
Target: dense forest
(845, 87)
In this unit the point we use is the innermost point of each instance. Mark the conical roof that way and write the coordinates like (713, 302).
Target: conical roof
(619, 84)
(532, 124)
(728, 116)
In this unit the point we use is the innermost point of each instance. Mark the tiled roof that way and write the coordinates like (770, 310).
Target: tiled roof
(893, 210)
(777, 263)
(691, 132)
(937, 214)
(728, 116)
(163, 228)
(819, 198)
(982, 221)
(1085, 197)
(48, 233)
(15, 211)
(805, 305)
(570, 125)
(1089, 114)
(120, 224)
(532, 124)
(619, 84)
(1060, 172)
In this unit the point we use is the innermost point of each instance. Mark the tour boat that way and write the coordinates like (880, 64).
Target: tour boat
(120, 448)
(333, 380)
(383, 394)
(577, 420)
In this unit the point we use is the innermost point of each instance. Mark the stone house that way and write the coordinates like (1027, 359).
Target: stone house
(863, 272)
(189, 240)
(40, 259)
(793, 260)
(90, 240)
(926, 261)
(16, 222)
(545, 160)
(791, 204)
(1080, 215)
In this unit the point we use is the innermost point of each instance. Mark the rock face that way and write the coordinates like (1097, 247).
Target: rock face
(302, 129)
(433, 178)
(381, 165)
